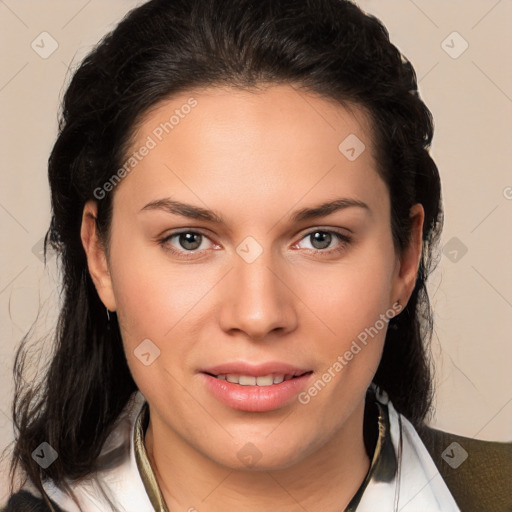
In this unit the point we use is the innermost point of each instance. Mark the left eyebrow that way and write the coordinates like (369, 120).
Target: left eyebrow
(196, 212)
(325, 209)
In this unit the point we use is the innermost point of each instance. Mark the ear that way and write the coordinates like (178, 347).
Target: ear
(406, 270)
(96, 256)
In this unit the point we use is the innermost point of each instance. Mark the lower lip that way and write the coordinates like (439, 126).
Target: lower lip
(256, 398)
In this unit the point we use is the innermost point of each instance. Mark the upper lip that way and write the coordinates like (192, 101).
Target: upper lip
(256, 370)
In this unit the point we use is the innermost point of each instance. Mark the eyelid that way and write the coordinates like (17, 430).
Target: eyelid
(329, 229)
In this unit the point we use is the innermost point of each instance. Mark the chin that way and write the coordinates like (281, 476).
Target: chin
(260, 462)
(261, 453)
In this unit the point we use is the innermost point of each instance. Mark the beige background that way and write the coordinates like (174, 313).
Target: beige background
(471, 99)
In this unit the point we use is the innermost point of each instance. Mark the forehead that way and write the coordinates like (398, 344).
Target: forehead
(266, 109)
(276, 143)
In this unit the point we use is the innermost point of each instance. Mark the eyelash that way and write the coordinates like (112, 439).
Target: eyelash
(344, 240)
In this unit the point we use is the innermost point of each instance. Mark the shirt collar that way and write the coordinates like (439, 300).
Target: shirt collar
(143, 464)
(383, 466)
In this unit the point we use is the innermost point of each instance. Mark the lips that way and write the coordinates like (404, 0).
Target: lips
(255, 388)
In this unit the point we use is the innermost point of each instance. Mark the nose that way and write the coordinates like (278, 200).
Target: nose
(257, 300)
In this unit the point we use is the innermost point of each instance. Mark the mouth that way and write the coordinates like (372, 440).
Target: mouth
(261, 388)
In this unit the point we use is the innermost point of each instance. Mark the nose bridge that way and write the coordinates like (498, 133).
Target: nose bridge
(259, 301)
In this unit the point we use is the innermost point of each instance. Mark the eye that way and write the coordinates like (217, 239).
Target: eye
(321, 240)
(185, 242)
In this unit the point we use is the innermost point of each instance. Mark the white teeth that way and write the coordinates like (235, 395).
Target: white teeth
(247, 380)
(267, 380)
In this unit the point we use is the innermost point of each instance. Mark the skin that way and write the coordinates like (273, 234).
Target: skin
(255, 158)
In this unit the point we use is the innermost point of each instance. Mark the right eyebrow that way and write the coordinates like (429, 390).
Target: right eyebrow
(184, 210)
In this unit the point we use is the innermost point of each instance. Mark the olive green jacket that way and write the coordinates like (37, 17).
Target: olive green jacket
(483, 482)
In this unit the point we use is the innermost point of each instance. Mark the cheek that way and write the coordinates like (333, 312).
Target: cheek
(351, 304)
(152, 294)
(162, 306)
(146, 307)
(350, 296)
(153, 322)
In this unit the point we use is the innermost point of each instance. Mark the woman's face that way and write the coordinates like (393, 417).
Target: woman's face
(219, 265)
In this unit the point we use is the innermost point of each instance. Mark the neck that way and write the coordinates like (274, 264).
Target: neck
(326, 480)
